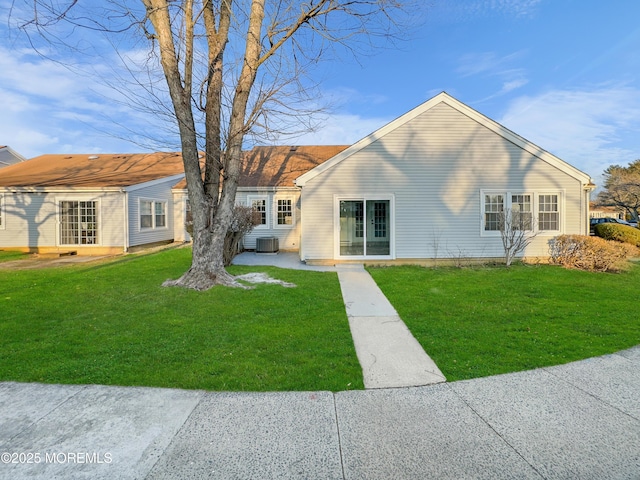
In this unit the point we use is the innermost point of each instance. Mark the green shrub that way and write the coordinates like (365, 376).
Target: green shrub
(617, 232)
(589, 253)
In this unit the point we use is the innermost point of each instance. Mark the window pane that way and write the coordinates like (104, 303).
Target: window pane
(521, 215)
(285, 213)
(88, 223)
(146, 218)
(69, 223)
(548, 213)
(78, 223)
(493, 207)
(260, 206)
(351, 227)
(161, 218)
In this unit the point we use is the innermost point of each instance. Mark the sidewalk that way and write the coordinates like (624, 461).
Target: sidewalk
(574, 421)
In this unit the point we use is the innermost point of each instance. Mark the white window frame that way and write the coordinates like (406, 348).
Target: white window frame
(267, 210)
(153, 202)
(535, 205)
(3, 216)
(98, 230)
(364, 197)
(560, 210)
(292, 199)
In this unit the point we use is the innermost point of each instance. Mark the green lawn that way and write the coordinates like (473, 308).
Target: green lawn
(6, 256)
(113, 324)
(484, 321)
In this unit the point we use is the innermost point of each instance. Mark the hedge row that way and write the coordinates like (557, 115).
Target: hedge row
(617, 232)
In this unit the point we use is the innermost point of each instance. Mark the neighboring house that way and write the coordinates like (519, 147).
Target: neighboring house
(89, 204)
(599, 211)
(430, 184)
(8, 156)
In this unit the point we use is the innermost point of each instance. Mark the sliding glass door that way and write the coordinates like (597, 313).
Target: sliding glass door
(365, 227)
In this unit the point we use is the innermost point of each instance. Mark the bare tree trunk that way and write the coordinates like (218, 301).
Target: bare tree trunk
(281, 39)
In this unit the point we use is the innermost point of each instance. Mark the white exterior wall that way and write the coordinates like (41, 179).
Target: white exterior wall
(157, 191)
(30, 219)
(435, 167)
(288, 236)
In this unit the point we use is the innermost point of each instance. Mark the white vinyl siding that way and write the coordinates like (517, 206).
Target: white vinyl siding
(435, 165)
(2, 220)
(150, 214)
(31, 219)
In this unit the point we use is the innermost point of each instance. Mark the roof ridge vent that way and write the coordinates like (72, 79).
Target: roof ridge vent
(93, 157)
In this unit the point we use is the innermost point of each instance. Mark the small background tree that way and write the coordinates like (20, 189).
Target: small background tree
(622, 188)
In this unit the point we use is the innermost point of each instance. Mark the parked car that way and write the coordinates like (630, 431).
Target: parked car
(595, 221)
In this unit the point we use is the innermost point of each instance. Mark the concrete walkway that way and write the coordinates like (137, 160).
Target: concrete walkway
(388, 353)
(574, 421)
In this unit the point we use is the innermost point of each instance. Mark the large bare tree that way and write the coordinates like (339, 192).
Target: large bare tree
(232, 68)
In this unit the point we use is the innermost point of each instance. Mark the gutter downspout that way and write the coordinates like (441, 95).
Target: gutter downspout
(588, 188)
(125, 204)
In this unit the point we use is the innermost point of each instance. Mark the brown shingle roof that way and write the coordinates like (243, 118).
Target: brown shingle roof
(279, 166)
(91, 171)
(261, 167)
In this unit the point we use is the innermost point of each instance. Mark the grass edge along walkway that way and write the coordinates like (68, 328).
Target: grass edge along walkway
(482, 321)
(113, 324)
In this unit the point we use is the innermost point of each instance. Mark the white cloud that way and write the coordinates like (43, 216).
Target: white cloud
(340, 129)
(492, 66)
(590, 128)
(50, 108)
(471, 9)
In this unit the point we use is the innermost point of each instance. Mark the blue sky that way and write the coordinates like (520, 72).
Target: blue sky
(561, 73)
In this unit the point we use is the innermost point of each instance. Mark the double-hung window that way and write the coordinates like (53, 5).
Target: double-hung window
(528, 211)
(521, 212)
(284, 212)
(259, 206)
(548, 212)
(493, 211)
(153, 214)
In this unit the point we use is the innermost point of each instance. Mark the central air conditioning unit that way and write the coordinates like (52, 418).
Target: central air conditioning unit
(267, 245)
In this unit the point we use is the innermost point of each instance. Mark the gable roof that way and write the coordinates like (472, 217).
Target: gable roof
(9, 156)
(279, 166)
(91, 171)
(445, 98)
